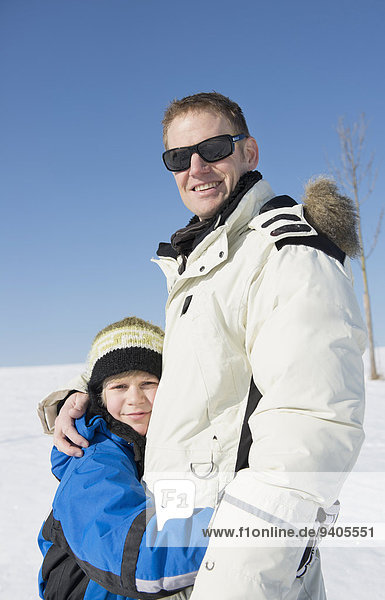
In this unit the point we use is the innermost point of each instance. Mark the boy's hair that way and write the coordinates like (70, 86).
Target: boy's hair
(211, 101)
(127, 345)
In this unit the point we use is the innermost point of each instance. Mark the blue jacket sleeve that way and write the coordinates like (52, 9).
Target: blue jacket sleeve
(102, 516)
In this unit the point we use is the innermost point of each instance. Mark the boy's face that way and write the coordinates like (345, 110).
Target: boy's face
(129, 398)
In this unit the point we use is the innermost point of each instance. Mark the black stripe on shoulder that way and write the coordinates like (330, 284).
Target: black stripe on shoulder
(291, 228)
(280, 217)
(320, 242)
(277, 202)
(246, 439)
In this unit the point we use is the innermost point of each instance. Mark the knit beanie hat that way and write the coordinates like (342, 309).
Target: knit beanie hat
(128, 345)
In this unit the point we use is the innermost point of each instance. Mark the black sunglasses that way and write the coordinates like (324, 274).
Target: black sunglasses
(211, 150)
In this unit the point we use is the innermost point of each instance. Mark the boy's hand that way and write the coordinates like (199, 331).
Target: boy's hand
(66, 438)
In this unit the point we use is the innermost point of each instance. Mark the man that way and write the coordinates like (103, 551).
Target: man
(262, 371)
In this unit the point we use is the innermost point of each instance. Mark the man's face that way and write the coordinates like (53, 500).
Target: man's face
(205, 186)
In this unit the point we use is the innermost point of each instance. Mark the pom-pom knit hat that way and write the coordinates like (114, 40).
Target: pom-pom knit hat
(128, 345)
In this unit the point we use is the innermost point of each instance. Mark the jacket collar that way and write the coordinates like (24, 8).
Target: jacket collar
(185, 240)
(213, 249)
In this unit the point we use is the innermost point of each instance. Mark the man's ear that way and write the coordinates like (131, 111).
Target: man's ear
(251, 153)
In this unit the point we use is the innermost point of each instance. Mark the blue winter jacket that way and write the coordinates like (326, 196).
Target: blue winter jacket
(96, 541)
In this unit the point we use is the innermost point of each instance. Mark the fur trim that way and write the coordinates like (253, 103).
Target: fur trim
(332, 214)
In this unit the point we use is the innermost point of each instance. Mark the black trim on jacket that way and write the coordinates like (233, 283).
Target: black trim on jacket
(245, 440)
(65, 580)
(278, 202)
(69, 576)
(320, 241)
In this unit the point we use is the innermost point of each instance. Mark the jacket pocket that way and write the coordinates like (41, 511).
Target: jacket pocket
(219, 351)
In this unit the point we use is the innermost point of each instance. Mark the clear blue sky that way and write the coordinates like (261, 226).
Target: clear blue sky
(85, 198)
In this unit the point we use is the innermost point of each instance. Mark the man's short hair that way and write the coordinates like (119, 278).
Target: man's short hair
(217, 103)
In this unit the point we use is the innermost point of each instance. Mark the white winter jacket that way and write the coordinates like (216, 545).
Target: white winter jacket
(264, 309)
(287, 319)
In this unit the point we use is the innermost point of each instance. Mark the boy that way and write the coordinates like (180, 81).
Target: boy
(94, 541)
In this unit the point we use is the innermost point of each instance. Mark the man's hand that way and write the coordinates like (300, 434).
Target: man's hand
(66, 438)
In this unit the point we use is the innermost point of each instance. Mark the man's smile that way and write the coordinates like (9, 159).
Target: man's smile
(206, 186)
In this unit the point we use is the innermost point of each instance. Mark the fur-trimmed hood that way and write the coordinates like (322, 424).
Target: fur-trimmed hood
(332, 214)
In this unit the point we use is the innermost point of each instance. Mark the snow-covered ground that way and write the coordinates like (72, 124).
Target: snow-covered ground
(27, 487)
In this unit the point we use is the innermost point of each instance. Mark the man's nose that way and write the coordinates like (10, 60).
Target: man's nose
(198, 165)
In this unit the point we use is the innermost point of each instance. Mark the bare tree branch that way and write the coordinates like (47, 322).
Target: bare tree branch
(376, 234)
(372, 178)
(351, 175)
